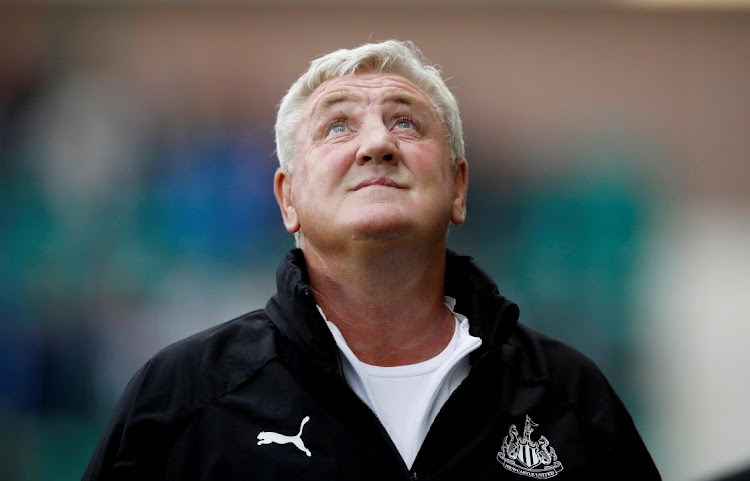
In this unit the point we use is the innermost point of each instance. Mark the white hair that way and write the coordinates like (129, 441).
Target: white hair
(391, 56)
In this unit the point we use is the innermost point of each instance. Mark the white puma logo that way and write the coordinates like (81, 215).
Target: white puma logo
(269, 437)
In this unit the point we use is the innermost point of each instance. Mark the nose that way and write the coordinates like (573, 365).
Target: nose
(378, 144)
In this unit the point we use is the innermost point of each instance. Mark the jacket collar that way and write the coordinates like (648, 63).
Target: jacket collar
(492, 317)
(292, 309)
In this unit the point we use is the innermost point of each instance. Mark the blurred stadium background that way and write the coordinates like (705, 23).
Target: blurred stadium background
(610, 192)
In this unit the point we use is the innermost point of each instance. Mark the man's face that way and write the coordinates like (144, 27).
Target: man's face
(371, 162)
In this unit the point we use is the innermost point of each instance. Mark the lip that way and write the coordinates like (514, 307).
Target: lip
(382, 181)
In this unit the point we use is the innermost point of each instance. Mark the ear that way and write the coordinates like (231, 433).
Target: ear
(461, 180)
(282, 189)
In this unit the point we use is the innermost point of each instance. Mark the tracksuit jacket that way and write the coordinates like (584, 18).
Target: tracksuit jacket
(263, 397)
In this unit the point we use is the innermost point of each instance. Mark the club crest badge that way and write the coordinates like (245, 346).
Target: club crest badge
(535, 459)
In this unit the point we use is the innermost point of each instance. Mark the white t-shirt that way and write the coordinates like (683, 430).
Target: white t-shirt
(407, 398)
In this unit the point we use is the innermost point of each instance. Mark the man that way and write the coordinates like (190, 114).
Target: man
(382, 356)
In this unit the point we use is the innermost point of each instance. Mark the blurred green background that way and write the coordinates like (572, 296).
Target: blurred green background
(609, 192)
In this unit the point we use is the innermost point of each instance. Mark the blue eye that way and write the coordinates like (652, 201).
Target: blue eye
(405, 124)
(337, 127)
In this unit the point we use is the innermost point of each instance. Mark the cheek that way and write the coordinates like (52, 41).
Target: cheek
(335, 159)
(429, 162)
(321, 172)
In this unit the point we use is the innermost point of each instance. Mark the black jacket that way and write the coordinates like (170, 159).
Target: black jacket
(203, 408)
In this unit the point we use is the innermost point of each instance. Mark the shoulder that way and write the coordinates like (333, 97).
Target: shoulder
(537, 357)
(569, 388)
(190, 374)
(569, 375)
(576, 384)
(172, 387)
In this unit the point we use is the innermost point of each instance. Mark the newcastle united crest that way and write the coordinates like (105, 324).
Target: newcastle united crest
(535, 459)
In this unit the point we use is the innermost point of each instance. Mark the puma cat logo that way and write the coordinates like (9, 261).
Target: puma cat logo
(269, 437)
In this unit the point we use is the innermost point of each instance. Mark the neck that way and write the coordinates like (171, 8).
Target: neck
(388, 303)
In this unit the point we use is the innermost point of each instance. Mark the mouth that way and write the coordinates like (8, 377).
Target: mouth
(375, 181)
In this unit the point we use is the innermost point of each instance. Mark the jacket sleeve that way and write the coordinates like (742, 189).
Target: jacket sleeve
(134, 443)
(102, 462)
(615, 445)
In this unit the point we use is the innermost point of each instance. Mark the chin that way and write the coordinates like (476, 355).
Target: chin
(380, 228)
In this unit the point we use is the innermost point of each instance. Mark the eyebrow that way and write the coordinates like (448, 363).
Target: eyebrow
(400, 98)
(334, 99)
(340, 97)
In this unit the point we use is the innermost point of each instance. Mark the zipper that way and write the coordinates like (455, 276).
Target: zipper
(458, 393)
(384, 432)
(410, 474)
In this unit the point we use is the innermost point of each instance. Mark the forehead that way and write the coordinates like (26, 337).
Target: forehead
(365, 88)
